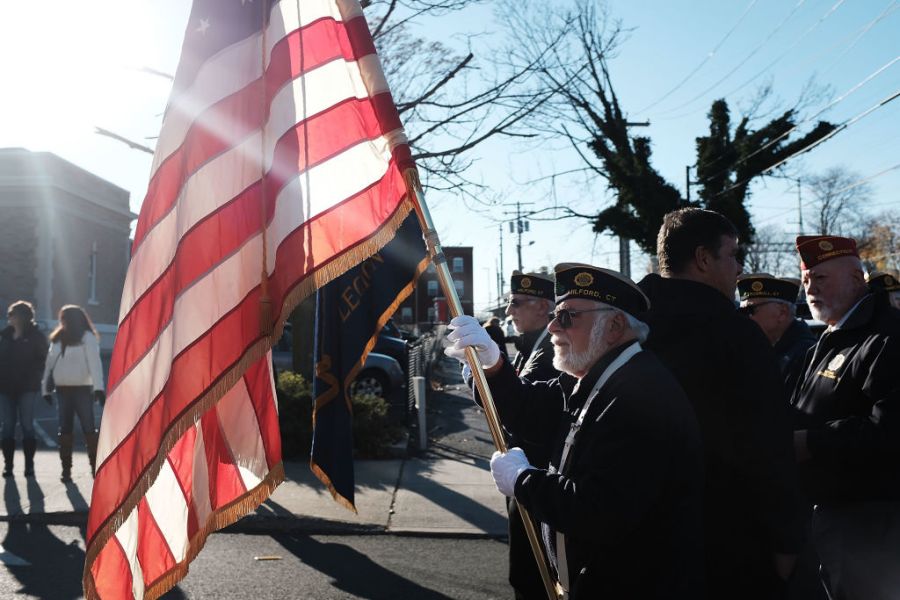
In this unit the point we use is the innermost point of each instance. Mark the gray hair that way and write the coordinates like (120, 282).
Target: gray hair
(641, 329)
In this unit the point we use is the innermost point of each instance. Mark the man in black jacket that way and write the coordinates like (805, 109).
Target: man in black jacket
(753, 521)
(620, 504)
(530, 305)
(771, 303)
(847, 437)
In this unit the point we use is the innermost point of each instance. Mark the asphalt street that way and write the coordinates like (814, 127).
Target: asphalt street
(45, 562)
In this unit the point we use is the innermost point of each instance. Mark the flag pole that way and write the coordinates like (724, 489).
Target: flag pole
(414, 188)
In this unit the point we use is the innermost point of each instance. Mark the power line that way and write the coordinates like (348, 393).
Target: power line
(830, 105)
(855, 184)
(753, 52)
(704, 61)
(887, 11)
(862, 31)
(868, 179)
(787, 51)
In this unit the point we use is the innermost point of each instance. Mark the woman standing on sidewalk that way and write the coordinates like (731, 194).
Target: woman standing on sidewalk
(74, 364)
(23, 350)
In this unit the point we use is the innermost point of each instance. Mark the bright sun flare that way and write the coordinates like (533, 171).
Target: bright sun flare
(68, 66)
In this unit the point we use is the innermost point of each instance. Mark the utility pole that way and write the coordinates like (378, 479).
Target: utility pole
(687, 182)
(800, 205)
(518, 225)
(625, 243)
(502, 274)
(499, 279)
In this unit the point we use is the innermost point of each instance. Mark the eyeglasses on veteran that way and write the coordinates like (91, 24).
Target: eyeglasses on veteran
(564, 316)
(516, 302)
(750, 309)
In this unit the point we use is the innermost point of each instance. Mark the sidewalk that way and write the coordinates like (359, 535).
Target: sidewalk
(447, 491)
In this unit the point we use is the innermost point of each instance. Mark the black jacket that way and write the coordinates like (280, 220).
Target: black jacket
(791, 351)
(752, 505)
(629, 501)
(849, 401)
(22, 361)
(540, 368)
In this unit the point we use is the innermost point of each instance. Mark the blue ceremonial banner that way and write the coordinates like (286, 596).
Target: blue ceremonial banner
(350, 312)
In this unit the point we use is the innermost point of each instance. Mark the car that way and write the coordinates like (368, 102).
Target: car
(390, 328)
(380, 374)
(395, 347)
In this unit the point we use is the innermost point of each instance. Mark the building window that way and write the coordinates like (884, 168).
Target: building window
(92, 276)
(406, 314)
(458, 264)
(460, 286)
(432, 288)
(432, 314)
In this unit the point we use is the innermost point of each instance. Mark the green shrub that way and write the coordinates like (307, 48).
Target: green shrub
(294, 415)
(373, 433)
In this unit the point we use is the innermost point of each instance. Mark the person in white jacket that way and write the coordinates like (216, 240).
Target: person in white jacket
(77, 376)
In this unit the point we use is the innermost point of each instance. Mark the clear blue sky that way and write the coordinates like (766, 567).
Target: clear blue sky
(81, 74)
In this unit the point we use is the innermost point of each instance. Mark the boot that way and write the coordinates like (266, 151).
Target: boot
(8, 445)
(90, 440)
(29, 445)
(65, 456)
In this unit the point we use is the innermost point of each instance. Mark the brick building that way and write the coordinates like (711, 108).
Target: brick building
(64, 238)
(427, 304)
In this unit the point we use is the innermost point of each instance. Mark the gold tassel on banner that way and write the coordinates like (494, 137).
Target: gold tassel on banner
(417, 197)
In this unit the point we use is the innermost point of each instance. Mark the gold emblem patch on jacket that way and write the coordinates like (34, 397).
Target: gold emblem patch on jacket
(833, 365)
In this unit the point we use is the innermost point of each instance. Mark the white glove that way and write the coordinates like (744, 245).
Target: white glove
(467, 331)
(506, 468)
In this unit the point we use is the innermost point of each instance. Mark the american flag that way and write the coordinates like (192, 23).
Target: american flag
(281, 153)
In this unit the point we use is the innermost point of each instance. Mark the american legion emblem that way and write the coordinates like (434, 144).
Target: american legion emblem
(757, 286)
(525, 282)
(826, 246)
(836, 363)
(584, 279)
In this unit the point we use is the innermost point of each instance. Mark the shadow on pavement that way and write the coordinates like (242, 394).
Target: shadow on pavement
(334, 560)
(55, 565)
(79, 504)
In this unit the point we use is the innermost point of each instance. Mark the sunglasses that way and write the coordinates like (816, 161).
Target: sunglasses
(564, 316)
(516, 303)
(750, 309)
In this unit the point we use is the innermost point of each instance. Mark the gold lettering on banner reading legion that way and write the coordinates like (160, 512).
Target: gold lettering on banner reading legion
(352, 294)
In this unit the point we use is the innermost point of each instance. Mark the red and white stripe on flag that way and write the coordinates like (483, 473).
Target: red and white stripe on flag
(280, 142)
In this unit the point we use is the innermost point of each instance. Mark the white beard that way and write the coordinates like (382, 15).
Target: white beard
(568, 361)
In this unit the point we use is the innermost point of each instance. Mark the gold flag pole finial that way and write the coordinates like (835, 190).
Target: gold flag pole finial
(414, 190)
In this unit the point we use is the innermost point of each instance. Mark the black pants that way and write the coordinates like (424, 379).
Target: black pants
(75, 400)
(524, 576)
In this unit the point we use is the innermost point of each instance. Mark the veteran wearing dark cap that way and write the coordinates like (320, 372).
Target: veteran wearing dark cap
(885, 284)
(530, 304)
(620, 503)
(847, 437)
(754, 520)
(772, 304)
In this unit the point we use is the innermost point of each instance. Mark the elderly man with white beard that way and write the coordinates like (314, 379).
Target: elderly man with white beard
(620, 503)
(847, 431)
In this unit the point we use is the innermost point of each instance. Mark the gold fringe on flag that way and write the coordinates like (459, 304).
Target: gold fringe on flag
(224, 383)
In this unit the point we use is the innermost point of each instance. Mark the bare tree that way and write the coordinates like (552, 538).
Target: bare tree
(587, 113)
(450, 101)
(838, 202)
(773, 252)
(879, 242)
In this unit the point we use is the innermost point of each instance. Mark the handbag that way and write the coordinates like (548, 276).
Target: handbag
(51, 383)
